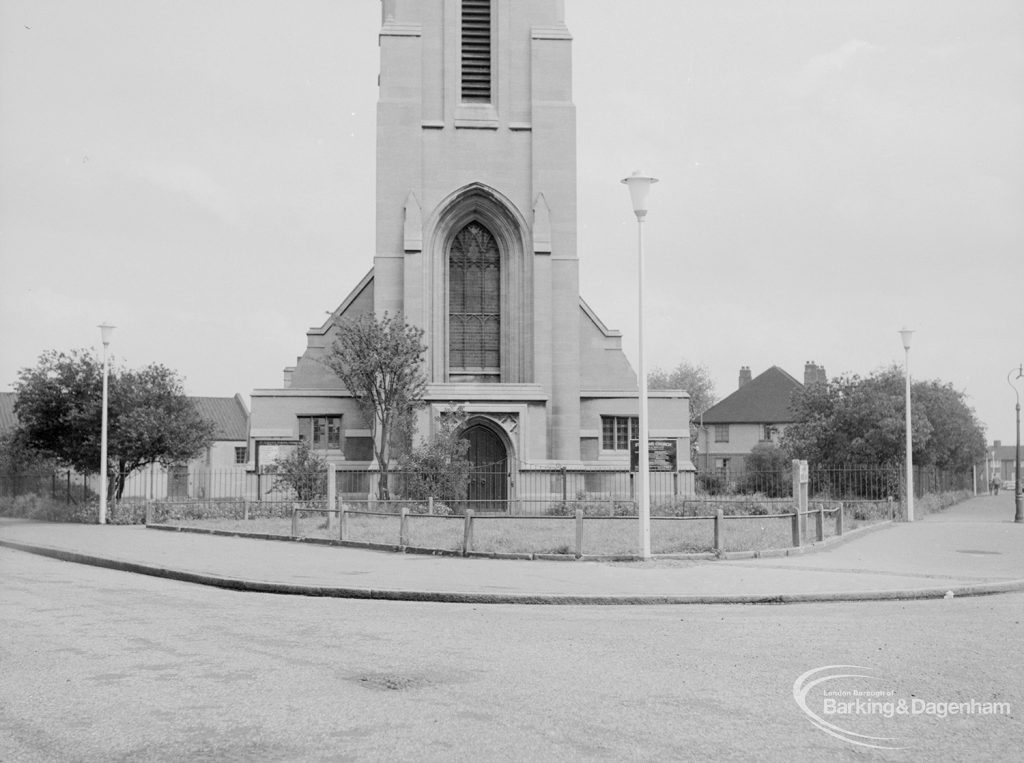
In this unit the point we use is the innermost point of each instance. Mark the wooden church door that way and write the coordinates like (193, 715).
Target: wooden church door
(488, 479)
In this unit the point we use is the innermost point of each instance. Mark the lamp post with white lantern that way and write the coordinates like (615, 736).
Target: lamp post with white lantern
(905, 334)
(106, 331)
(639, 189)
(1018, 489)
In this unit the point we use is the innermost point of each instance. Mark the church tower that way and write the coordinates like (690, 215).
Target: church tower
(476, 244)
(476, 198)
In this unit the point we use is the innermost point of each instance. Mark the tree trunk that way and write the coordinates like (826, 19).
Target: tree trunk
(119, 480)
(383, 451)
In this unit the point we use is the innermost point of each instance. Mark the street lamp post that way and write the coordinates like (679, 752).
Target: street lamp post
(639, 188)
(1018, 491)
(905, 334)
(105, 331)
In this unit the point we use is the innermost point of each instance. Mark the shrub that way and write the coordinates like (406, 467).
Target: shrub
(561, 509)
(302, 472)
(34, 506)
(678, 507)
(442, 509)
(767, 470)
(931, 503)
(439, 467)
(127, 513)
(711, 484)
(592, 507)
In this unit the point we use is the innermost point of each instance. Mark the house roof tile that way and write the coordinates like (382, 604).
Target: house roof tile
(762, 400)
(1003, 452)
(228, 415)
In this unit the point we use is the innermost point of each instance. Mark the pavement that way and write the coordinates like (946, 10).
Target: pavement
(971, 549)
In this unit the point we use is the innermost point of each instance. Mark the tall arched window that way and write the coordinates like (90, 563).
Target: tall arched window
(474, 305)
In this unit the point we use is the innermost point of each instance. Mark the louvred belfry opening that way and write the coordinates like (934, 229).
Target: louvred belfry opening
(474, 303)
(476, 51)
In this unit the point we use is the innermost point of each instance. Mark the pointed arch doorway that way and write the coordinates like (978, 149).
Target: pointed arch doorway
(488, 458)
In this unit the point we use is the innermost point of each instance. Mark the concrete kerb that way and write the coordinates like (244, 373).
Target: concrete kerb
(457, 597)
(818, 545)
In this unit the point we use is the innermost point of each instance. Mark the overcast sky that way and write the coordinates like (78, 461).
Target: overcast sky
(201, 174)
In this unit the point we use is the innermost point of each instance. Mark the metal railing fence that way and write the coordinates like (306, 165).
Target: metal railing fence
(534, 491)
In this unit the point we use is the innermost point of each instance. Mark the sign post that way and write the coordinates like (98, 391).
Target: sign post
(661, 455)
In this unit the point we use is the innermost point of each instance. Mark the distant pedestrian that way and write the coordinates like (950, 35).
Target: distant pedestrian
(996, 484)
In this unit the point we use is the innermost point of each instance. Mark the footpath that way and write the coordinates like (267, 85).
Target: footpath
(971, 549)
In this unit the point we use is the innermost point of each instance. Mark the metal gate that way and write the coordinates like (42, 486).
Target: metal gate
(177, 481)
(488, 478)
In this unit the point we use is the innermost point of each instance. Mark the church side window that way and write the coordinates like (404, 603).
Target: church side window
(617, 431)
(320, 432)
(474, 303)
(476, 51)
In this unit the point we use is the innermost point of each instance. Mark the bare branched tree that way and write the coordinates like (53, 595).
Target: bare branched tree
(380, 361)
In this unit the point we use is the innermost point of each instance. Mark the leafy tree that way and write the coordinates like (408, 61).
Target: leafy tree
(58, 406)
(16, 459)
(957, 439)
(380, 361)
(301, 471)
(439, 468)
(852, 420)
(22, 471)
(855, 420)
(155, 422)
(695, 379)
(150, 420)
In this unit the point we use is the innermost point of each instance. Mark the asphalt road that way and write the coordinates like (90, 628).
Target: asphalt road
(103, 665)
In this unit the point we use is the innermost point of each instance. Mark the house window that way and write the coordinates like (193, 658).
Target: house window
(241, 455)
(476, 51)
(722, 464)
(474, 303)
(320, 432)
(617, 431)
(768, 432)
(721, 433)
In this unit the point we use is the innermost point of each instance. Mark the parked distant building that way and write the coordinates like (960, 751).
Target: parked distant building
(222, 465)
(215, 472)
(999, 463)
(756, 413)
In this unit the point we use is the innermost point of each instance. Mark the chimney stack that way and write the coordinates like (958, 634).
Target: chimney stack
(745, 375)
(813, 373)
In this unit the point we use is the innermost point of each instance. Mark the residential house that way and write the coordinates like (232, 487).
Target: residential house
(999, 462)
(219, 471)
(757, 413)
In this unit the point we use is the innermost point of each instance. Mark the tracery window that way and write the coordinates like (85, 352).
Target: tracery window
(474, 303)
